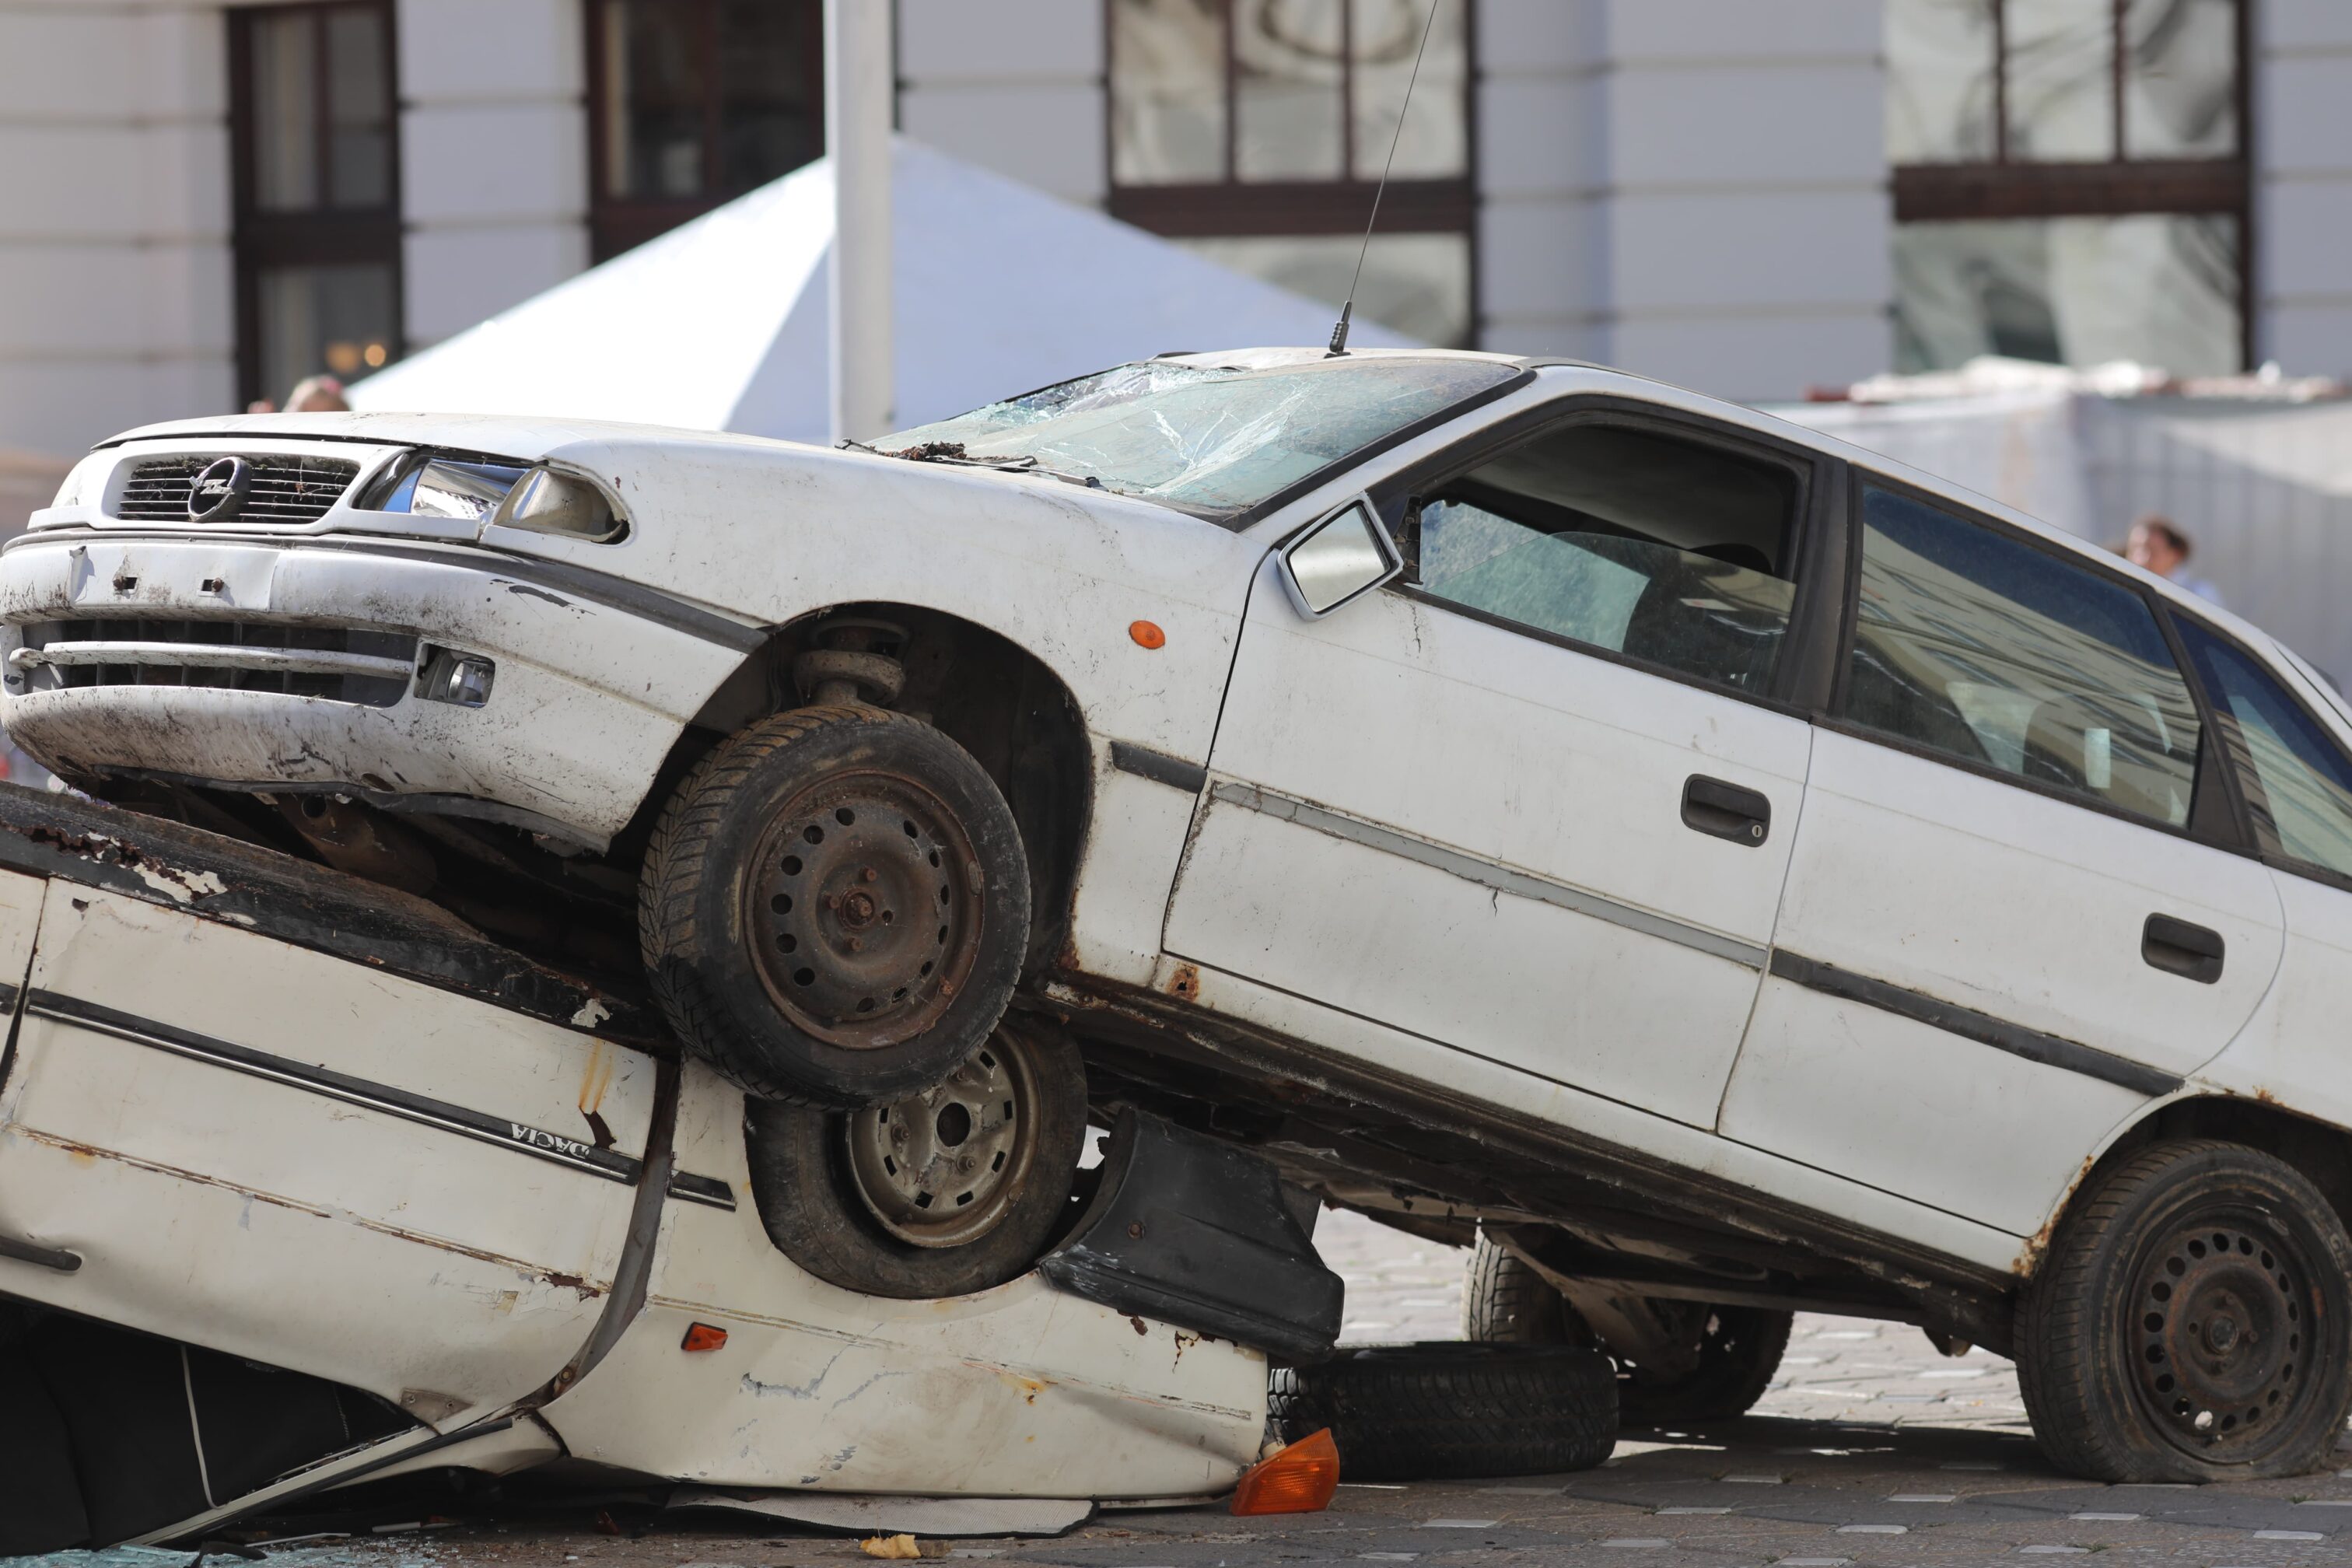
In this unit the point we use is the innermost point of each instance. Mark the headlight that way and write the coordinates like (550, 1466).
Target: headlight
(549, 503)
(441, 486)
(499, 494)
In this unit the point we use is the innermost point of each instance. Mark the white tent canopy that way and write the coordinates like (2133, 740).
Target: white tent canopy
(721, 324)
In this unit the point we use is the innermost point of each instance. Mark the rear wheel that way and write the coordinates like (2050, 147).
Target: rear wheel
(1732, 1353)
(834, 907)
(953, 1189)
(1740, 1351)
(2192, 1322)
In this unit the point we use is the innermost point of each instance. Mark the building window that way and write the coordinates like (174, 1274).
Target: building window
(317, 163)
(1253, 131)
(2071, 181)
(694, 102)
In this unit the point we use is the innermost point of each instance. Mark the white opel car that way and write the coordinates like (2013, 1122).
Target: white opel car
(1716, 869)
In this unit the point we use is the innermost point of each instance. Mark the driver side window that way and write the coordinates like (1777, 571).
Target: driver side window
(1664, 551)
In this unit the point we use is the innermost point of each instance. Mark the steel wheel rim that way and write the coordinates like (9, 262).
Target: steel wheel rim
(863, 914)
(941, 1168)
(2222, 1333)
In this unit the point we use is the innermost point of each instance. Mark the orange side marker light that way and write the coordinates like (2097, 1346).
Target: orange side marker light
(702, 1337)
(1302, 1478)
(1147, 634)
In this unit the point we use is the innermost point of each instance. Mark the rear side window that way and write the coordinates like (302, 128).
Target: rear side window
(1670, 552)
(1981, 648)
(2298, 783)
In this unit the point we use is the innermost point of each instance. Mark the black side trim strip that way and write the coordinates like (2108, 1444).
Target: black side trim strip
(607, 1163)
(9, 994)
(1158, 767)
(2050, 1050)
(707, 1191)
(601, 587)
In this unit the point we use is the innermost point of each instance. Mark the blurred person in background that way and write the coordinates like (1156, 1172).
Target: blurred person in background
(317, 394)
(2160, 546)
(312, 394)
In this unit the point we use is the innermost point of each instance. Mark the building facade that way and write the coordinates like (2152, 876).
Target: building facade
(201, 202)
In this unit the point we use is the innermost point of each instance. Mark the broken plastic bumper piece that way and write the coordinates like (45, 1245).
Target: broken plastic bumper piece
(1204, 1235)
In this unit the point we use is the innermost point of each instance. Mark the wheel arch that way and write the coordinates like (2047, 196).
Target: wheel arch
(2321, 1151)
(995, 698)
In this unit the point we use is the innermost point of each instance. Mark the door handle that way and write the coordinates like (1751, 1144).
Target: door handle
(2176, 947)
(40, 1257)
(1723, 810)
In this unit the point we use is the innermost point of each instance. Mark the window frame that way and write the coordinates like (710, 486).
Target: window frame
(323, 237)
(2218, 822)
(618, 224)
(1812, 526)
(2119, 185)
(2239, 785)
(1235, 208)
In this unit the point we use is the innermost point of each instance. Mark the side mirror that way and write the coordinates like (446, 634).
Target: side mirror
(1346, 554)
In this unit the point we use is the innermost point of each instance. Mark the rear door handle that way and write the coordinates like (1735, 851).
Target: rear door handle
(2176, 947)
(1724, 810)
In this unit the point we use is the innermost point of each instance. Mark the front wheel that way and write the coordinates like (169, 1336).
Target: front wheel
(2192, 1322)
(834, 907)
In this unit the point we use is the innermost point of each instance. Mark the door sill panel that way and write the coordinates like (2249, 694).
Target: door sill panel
(1649, 1153)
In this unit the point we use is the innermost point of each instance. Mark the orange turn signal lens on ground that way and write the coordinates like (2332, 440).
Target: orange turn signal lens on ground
(703, 1337)
(1147, 634)
(1302, 1478)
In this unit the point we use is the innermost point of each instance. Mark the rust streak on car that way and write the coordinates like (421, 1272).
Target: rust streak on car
(2029, 1256)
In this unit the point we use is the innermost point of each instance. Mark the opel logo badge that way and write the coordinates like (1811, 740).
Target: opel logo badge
(219, 492)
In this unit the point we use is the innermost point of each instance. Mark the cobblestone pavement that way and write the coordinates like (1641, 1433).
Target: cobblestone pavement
(1872, 1448)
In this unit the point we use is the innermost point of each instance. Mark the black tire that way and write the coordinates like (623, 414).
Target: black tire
(770, 901)
(830, 1206)
(1504, 1301)
(2197, 1279)
(1447, 1411)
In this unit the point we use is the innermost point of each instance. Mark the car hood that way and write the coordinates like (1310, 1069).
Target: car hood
(732, 521)
(499, 435)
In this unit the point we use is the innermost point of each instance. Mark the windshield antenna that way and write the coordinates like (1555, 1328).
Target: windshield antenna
(1346, 311)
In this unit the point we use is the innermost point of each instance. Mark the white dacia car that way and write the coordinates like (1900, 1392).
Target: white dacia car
(1712, 868)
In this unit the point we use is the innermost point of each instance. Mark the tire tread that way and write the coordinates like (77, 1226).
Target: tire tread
(671, 884)
(2058, 1327)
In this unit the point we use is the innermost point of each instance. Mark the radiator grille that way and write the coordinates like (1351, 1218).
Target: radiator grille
(283, 489)
(366, 690)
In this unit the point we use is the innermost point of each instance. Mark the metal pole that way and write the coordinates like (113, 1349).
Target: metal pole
(859, 88)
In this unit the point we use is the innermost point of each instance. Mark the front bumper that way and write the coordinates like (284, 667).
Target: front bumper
(319, 691)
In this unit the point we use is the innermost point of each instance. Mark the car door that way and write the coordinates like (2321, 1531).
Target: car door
(1534, 800)
(2015, 913)
(2296, 781)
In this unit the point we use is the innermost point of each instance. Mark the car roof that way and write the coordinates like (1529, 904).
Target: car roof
(1653, 389)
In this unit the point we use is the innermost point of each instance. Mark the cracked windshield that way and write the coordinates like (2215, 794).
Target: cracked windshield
(1208, 438)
